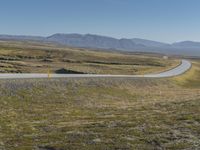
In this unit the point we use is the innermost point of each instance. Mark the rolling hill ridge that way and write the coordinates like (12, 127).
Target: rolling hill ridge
(108, 43)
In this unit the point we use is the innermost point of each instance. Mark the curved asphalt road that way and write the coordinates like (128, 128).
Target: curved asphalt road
(182, 68)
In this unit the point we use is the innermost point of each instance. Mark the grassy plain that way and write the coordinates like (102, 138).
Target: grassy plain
(106, 113)
(33, 57)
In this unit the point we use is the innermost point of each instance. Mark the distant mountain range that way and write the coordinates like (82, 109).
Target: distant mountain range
(188, 48)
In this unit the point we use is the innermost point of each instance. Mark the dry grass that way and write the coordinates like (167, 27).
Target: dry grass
(37, 57)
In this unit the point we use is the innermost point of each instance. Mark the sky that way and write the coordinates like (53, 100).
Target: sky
(161, 20)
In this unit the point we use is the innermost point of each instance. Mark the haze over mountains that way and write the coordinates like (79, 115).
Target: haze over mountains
(108, 43)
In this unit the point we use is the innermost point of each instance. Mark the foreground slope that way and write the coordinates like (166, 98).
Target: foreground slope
(91, 113)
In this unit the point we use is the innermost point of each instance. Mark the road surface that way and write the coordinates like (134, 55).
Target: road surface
(182, 68)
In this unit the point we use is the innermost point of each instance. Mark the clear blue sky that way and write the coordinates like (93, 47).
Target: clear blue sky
(162, 20)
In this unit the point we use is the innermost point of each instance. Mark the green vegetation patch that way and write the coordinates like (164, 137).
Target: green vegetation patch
(191, 79)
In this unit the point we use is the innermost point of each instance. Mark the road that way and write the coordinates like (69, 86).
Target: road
(182, 68)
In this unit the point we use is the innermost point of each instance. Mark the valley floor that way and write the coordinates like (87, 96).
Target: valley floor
(33, 57)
